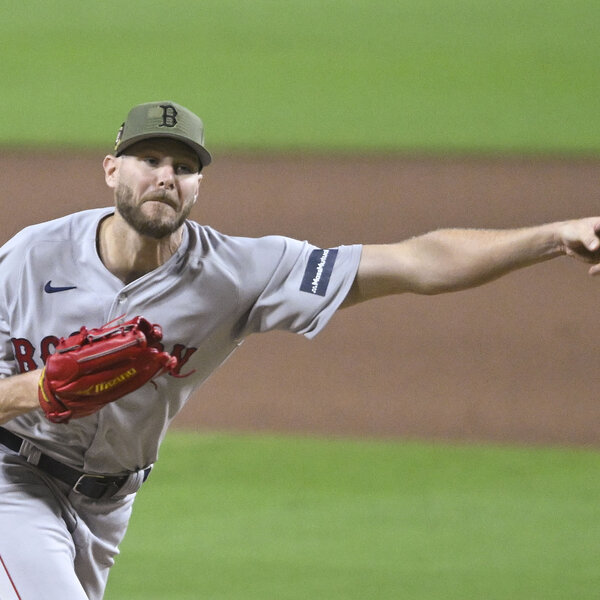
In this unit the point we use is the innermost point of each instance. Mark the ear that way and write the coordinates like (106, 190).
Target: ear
(200, 177)
(111, 169)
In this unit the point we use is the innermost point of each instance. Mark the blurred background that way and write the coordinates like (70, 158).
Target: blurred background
(350, 75)
(343, 121)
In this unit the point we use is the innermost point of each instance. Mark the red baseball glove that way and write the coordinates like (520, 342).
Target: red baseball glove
(95, 367)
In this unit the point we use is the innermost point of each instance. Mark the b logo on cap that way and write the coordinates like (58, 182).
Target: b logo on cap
(168, 116)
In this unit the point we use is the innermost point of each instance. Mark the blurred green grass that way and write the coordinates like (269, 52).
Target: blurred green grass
(397, 75)
(244, 517)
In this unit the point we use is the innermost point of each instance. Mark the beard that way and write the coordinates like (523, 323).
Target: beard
(154, 227)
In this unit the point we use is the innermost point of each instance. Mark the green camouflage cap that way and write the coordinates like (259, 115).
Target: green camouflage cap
(163, 119)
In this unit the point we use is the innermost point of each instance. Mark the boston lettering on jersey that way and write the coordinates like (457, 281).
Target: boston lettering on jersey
(25, 350)
(318, 271)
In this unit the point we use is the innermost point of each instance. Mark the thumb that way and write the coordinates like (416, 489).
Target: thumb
(594, 271)
(592, 243)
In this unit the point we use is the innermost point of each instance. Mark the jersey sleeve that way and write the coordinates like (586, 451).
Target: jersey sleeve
(7, 363)
(11, 264)
(305, 286)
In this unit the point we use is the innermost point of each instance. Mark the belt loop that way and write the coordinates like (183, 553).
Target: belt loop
(133, 482)
(30, 452)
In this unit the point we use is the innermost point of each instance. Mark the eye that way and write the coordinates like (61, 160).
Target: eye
(150, 161)
(183, 169)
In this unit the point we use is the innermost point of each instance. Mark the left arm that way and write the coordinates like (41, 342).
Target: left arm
(449, 260)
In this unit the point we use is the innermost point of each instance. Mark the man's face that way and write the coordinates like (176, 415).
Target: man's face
(156, 186)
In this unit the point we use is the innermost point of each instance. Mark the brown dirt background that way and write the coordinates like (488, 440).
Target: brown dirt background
(513, 361)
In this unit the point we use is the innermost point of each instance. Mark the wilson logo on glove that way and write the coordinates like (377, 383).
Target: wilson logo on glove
(95, 367)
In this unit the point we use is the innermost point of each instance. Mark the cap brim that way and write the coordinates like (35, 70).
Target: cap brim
(202, 153)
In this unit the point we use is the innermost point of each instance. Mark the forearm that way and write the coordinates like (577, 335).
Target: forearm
(453, 259)
(456, 259)
(18, 395)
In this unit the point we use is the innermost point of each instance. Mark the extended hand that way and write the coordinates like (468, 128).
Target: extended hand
(580, 239)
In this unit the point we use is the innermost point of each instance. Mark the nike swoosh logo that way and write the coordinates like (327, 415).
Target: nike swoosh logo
(50, 289)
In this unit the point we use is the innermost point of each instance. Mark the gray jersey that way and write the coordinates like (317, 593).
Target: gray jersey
(211, 294)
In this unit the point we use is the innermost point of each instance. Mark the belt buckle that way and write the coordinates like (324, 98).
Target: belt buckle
(80, 481)
(109, 487)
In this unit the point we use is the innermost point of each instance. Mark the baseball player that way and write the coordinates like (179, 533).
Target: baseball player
(110, 318)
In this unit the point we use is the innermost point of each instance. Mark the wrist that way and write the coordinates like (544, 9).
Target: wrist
(18, 394)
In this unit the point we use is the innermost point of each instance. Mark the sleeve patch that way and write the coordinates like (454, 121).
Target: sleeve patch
(318, 271)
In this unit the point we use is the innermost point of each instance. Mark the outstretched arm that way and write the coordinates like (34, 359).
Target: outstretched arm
(455, 259)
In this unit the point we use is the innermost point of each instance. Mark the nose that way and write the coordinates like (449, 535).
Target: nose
(166, 177)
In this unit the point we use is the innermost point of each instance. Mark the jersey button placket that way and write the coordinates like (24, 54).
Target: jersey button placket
(121, 303)
(119, 306)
